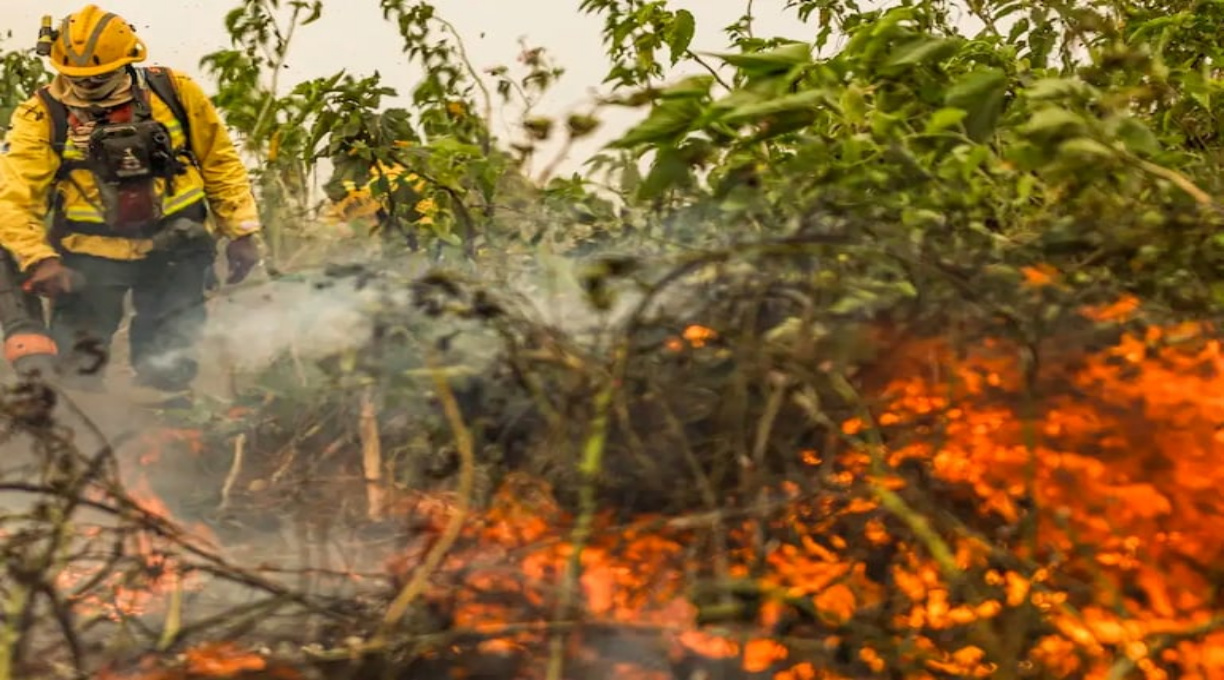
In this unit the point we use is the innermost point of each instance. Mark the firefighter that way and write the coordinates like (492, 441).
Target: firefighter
(118, 179)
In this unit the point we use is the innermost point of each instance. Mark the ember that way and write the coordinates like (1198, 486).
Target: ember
(213, 660)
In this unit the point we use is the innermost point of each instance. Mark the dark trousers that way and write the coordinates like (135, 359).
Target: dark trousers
(168, 297)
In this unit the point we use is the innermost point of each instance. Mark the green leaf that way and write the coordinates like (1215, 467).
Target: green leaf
(1217, 293)
(922, 50)
(1057, 88)
(945, 118)
(680, 34)
(449, 237)
(693, 86)
(1026, 187)
(1085, 148)
(453, 145)
(1052, 122)
(974, 85)
(807, 100)
(778, 60)
(1138, 137)
(783, 123)
(853, 104)
(980, 93)
(854, 302)
(316, 11)
(666, 121)
(737, 99)
(668, 170)
(630, 177)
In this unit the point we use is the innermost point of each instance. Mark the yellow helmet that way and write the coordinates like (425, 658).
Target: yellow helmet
(92, 42)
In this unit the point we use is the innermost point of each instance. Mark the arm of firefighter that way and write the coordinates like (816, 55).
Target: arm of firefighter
(226, 182)
(27, 169)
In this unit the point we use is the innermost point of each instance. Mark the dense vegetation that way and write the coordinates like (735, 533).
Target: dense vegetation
(887, 355)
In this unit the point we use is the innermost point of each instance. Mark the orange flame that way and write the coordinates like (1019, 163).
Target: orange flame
(693, 336)
(118, 595)
(1124, 464)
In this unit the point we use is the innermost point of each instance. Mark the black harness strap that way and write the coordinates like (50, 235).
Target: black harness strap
(59, 132)
(59, 120)
(160, 82)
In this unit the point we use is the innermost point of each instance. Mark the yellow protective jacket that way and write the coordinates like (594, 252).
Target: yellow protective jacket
(29, 163)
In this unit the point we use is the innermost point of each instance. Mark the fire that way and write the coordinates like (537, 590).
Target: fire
(144, 588)
(1113, 484)
(1124, 464)
(222, 660)
(693, 336)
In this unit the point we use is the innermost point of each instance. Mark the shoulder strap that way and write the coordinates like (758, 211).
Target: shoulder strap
(59, 119)
(58, 113)
(161, 83)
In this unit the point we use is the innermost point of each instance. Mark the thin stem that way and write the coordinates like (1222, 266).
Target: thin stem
(278, 65)
(467, 480)
(590, 467)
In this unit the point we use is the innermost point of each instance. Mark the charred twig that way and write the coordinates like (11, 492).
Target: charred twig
(235, 470)
(62, 612)
(705, 486)
(467, 478)
(201, 626)
(458, 636)
(124, 507)
(371, 455)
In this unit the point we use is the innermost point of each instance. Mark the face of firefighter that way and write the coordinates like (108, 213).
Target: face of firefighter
(100, 87)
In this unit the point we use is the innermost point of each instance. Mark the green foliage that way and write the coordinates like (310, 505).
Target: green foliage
(635, 31)
(959, 151)
(1083, 137)
(21, 72)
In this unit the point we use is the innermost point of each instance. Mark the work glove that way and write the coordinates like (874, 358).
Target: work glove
(242, 254)
(51, 278)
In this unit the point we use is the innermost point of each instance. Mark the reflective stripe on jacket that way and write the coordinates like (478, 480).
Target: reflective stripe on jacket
(29, 164)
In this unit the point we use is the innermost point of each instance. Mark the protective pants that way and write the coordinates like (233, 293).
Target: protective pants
(168, 296)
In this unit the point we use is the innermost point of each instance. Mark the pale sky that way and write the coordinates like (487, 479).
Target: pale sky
(353, 35)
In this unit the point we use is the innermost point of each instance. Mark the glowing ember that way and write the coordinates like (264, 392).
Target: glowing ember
(693, 336)
(211, 660)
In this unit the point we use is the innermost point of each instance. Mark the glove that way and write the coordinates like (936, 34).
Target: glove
(51, 278)
(242, 254)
